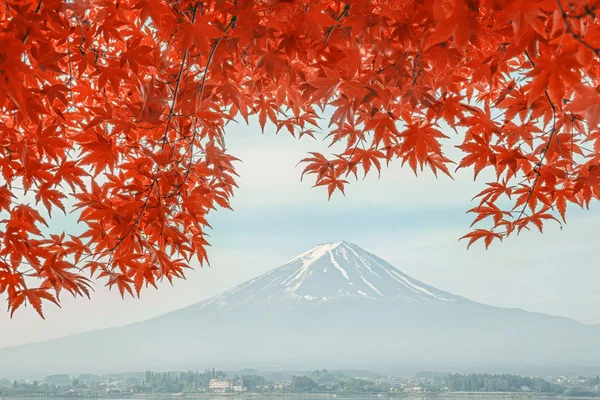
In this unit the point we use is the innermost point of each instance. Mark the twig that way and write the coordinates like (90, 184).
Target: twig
(338, 19)
(177, 84)
(575, 35)
(544, 151)
(203, 85)
(212, 54)
(37, 10)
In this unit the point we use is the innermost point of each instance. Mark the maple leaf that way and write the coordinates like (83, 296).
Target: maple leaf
(587, 101)
(494, 190)
(75, 246)
(5, 198)
(514, 133)
(122, 282)
(33, 297)
(143, 274)
(419, 140)
(110, 27)
(456, 18)
(197, 33)
(113, 74)
(560, 198)
(480, 155)
(317, 164)
(450, 109)
(136, 54)
(273, 65)
(536, 219)
(384, 128)
(50, 196)
(47, 58)
(438, 162)
(367, 158)
(72, 174)
(266, 109)
(27, 219)
(314, 21)
(529, 197)
(554, 75)
(487, 235)
(101, 152)
(332, 184)
(51, 143)
(487, 209)
(587, 184)
(512, 159)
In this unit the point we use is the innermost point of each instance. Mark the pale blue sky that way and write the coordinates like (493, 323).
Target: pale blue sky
(414, 223)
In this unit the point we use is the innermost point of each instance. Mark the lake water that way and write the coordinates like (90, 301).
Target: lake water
(520, 396)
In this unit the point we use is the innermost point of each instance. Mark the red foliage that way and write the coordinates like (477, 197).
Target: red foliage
(121, 106)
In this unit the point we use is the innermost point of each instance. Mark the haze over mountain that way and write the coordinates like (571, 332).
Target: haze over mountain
(334, 306)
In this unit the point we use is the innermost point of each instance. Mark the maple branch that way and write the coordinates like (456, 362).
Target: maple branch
(380, 70)
(537, 167)
(575, 35)
(137, 220)
(70, 80)
(587, 11)
(96, 52)
(37, 10)
(415, 66)
(202, 86)
(212, 55)
(178, 83)
(349, 159)
(338, 19)
(503, 113)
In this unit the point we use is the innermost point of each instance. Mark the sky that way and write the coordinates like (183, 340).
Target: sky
(412, 222)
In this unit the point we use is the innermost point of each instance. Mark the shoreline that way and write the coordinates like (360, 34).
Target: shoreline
(445, 395)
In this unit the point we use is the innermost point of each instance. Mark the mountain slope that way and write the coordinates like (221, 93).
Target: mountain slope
(329, 272)
(334, 306)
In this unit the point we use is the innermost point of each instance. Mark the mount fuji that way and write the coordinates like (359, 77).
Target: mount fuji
(330, 272)
(334, 306)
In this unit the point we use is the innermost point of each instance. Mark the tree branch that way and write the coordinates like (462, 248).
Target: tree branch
(178, 84)
(338, 19)
(575, 35)
(544, 151)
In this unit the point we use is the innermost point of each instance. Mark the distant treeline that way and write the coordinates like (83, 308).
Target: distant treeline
(500, 383)
(192, 381)
(175, 382)
(323, 381)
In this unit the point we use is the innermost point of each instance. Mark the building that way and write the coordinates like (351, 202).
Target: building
(413, 389)
(283, 386)
(239, 388)
(220, 385)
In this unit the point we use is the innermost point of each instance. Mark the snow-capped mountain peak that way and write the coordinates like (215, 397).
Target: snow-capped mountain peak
(335, 304)
(329, 272)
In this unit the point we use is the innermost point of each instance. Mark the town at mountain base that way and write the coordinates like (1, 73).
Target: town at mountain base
(335, 305)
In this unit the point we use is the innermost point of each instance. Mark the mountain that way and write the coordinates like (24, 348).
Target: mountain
(330, 272)
(334, 306)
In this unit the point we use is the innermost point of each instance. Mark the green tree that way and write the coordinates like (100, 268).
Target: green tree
(253, 381)
(303, 384)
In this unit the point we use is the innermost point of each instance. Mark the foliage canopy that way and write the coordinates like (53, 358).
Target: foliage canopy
(121, 106)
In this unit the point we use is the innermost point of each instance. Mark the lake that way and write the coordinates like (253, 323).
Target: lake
(447, 396)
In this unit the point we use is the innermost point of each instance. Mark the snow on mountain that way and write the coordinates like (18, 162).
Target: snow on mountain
(330, 272)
